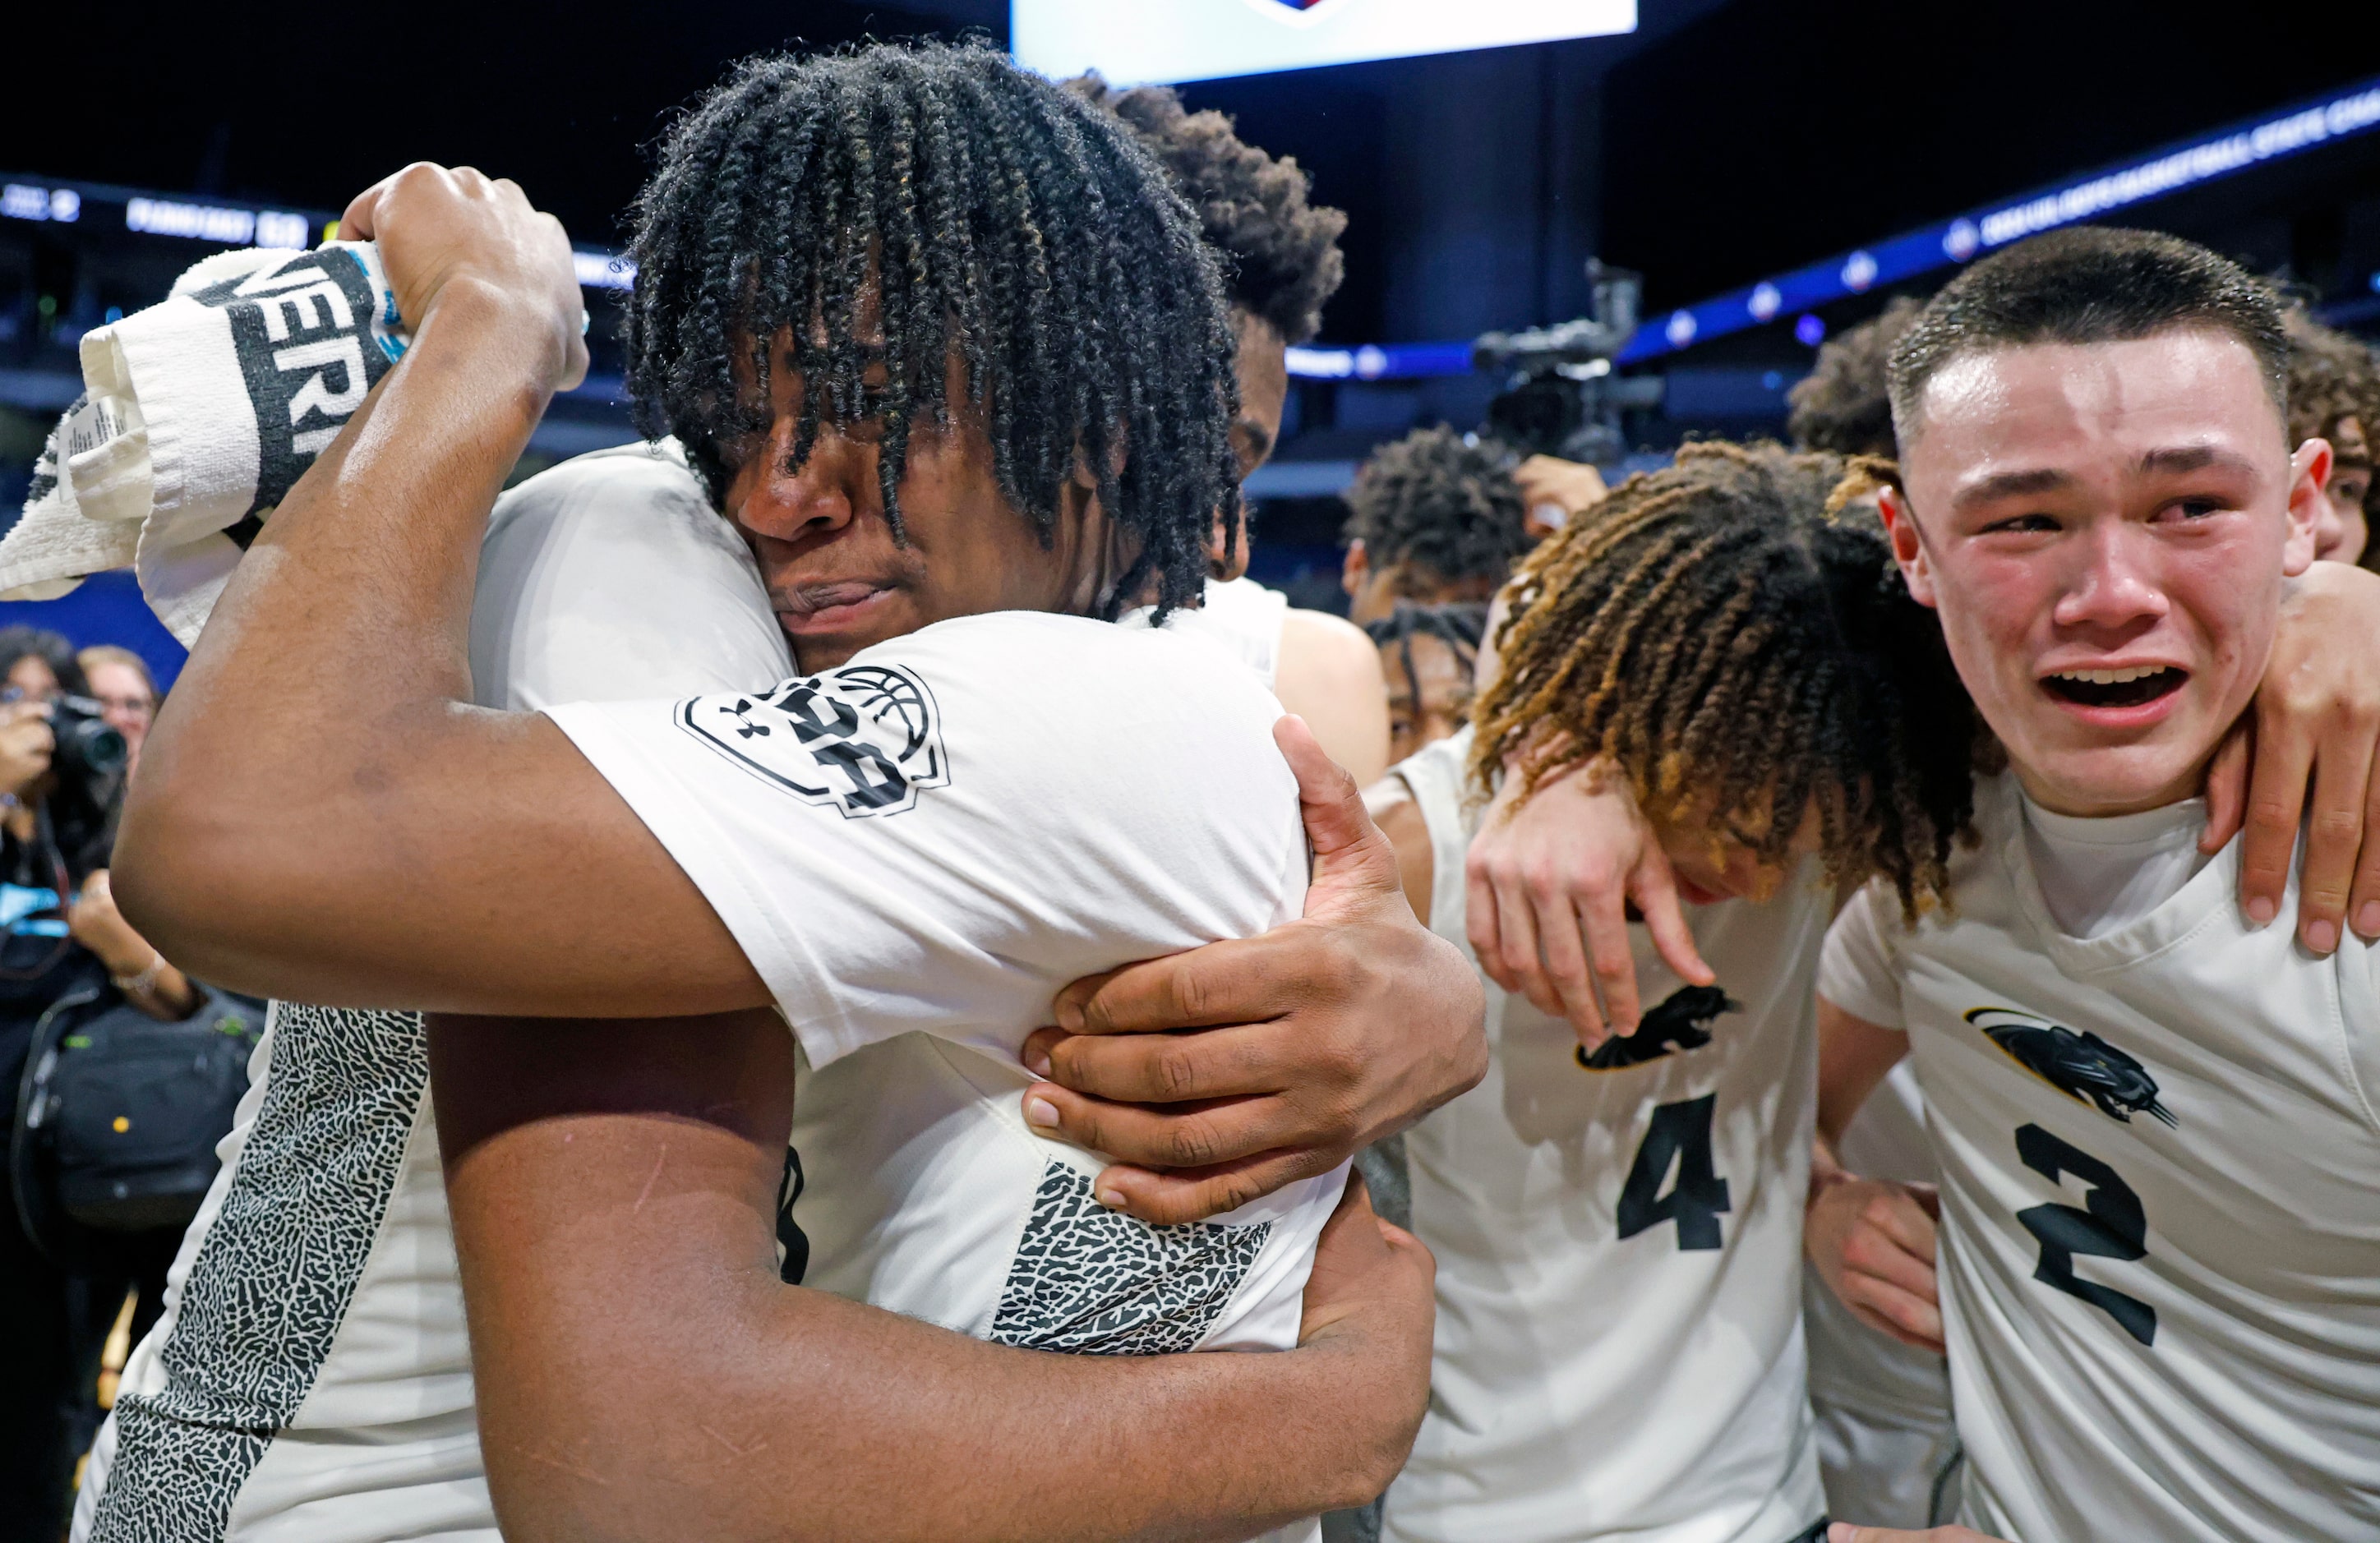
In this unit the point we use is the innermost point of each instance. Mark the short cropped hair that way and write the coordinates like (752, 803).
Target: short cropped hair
(1842, 405)
(2089, 284)
(1443, 502)
(1281, 251)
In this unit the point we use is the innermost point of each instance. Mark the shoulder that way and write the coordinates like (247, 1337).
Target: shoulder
(627, 480)
(1393, 807)
(1317, 644)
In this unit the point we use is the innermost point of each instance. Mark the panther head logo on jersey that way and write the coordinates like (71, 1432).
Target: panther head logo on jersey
(2082, 1066)
(1680, 1022)
(864, 738)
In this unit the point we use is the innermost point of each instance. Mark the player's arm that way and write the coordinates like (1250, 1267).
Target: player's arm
(319, 815)
(1871, 1239)
(1398, 813)
(644, 1374)
(1330, 674)
(2317, 717)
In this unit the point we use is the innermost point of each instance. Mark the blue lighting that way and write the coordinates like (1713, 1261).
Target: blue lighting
(1811, 330)
(2169, 170)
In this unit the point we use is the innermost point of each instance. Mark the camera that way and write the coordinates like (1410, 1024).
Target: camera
(90, 751)
(1559, 394)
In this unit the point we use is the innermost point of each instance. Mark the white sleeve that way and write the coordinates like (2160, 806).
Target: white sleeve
(612, 578)
(945, 831)
(1859, 970)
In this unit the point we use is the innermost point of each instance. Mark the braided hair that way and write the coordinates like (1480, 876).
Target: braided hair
(1443, 502)
(987, 218)
(1281, 250)
(1732, 633)
(1458, 624)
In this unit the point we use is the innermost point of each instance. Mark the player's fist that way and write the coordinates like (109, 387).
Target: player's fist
(1873, 1243)
(441, 229)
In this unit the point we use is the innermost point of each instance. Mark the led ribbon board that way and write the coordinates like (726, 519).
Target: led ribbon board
(1135, 42)
(2222, 154)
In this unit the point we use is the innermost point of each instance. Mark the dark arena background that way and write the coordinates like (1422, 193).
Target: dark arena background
(1775, 172)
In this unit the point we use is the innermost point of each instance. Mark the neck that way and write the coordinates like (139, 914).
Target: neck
(2081, 800)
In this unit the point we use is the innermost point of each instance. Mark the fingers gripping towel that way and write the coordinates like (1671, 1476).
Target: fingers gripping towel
(197, 416)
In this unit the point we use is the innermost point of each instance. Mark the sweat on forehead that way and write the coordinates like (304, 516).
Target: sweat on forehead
(2084, 286)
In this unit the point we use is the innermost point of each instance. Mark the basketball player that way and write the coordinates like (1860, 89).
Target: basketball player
(1619, 1349)
(2154, 1116)
(1281, 263)
(2335, 397)
(619, 1445)
(1433, 517)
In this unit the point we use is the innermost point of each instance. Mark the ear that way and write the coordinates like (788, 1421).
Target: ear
(2309, 475)
(1908, 546)
(1356, 568)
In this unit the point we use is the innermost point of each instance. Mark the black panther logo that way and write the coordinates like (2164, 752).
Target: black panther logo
(1680, 1022)
(2082, 1066)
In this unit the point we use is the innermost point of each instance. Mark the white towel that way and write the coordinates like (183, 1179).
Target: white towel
(199, 415)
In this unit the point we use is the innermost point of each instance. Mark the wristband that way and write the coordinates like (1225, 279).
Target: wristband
(146, 981)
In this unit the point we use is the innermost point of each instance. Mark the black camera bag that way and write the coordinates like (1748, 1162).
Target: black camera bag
(118, 1116)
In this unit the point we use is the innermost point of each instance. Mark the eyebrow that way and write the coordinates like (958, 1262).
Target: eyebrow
(2014, 484)
(2192, 458)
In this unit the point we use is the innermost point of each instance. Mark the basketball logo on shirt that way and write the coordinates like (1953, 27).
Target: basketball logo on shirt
(866, 738)
(1680, 1022)
(2082, 1066)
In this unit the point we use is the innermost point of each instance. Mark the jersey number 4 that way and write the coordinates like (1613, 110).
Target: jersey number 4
(1681, 1135)
(2114, 1227)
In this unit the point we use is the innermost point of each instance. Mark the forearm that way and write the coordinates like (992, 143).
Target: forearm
(749, 1409)
(1853, 1057)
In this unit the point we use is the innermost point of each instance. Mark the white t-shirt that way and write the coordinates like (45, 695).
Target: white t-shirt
(310, 1380)
(2160, 1162)
(1238, 615)
(917, 851)
(1619, 1346)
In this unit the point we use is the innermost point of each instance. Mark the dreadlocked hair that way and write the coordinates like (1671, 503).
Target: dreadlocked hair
(1731, 635)
(1458, 624)
(989, 217)
(1442, 501)
(1281, 257)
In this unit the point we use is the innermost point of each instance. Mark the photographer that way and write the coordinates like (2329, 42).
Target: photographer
(60, 780)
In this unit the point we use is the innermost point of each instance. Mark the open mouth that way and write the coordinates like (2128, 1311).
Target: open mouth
(2130, 686)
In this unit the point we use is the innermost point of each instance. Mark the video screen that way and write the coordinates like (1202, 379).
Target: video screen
(1203, 40)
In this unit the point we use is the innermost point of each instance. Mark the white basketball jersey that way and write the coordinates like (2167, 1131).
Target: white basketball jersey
(1238, 615)
(1619, 1346)
(2160, 1248)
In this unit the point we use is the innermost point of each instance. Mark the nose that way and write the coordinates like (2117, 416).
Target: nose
(2115, 586)
(818, 497)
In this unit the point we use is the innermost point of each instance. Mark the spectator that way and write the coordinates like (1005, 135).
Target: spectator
(1427, 652)
(62, 933)
(2334, 395)
(1841, 405)
(126, 693)
(1435, 516)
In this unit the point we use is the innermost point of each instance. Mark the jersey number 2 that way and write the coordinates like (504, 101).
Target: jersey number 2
(1680, 1132)
(2113, 1228)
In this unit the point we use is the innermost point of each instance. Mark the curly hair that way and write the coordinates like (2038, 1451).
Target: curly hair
(2332, 376)
(1841, 404)
(1281, 257)
(1458, 624)
(1443, 502)
(1731, 634)
(983, 215)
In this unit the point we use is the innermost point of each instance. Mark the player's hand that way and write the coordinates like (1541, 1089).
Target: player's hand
(1370, 1296)
(1548, 885)
(1873, 1242)
(1555, 491)
(1320, 1037)
(443, 229)
(1844, 1532)
(26, 745)
(2318, 712)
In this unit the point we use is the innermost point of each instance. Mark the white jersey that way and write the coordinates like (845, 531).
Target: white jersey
(310, 1380)
(1619, 1346)
(917, 851)
(1238, 615)
(2160, 1245)
(1886, 1440)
